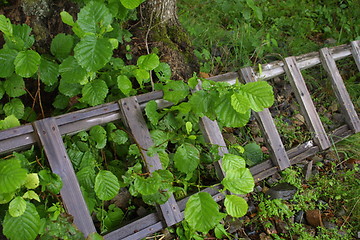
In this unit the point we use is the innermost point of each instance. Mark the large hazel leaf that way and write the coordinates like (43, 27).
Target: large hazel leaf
(14, 107)
(175, 91)
(147, 186)
(231, 161)
(202, 212)
(131, 4)
(94, 92)
(148, 62)
(240, 102)
(106, 185)
(27, 63)
(12, 176)
(49, 72)
(62, 45)
(25, 227)
(235, 206)
(260, 95)
(14, 86)
(93, 53)
(98, 134)
(124, 84)
(239, 181)
(72, 72)
(187, 158)
(17, 207)
(227, 115)
(93, 17)
(7, 57)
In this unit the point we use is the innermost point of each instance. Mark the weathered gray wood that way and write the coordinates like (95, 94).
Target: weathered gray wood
(133, 118)
(355, 51)
(212, 134)
(51, 140)
(306, 104)
(267, 125)
(346, 106)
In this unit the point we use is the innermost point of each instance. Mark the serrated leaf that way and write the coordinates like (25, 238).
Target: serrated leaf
(239, 181)
(17, 207)
(202, 212)
(31, 195)
(49, 72)
(9, 122)
(27, 63)
(29, 223)
(119, 136)
(32, 181)
(253, 154)
(86, 177)
(7, 57)
(62, 45)
(227, 115)
(14, 86)
(12, 176)
(147, 186)
(231, 161)
(148, 62)
(106, 185)
(124, 84)
(240, 102)
(235, 206)
(93, 53)
(151, 112)
(67, 18)
(260, 95)
(131, 4)
(187, 158)
(175, 91)
(14, 107)
(98, 134)
(93, 17)
(6, 26)
(94, 92)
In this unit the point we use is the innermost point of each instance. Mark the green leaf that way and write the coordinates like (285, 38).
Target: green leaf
(27, 63)
(253, 154)
(231, 161)
(29, 223)
(86, 177)
(51, 181)
(260, 95)
(2, 90)
(62, 45)
(21, 38)
(227, 115)
(49, 72)
(94, 92)
(93, 53)
(14, 107)
(148, 62)
(189, 127)
(17, 207)
(6, 197)
(72, 75)
(7, 57)
(29, 115)
(235, 206)
(163, 72)
(187, 158)
(32, 181)
(239, 181)
(98, 134)
(6, 26)
(118, 137)
(202, 212)
(67, 18)
(147, 186)
(124, 84)
(12, 176)
(175, 91)
(14, 86)
(240, 102)
(93, 17)
(131, 4)
(9, 122)
(106, 185)
(31, 195)
(61, 101)
(151, 112)
(141, 75)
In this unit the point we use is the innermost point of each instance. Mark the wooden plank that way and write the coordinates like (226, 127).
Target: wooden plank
(306, 104)
(346, 106)
(267, 125)
(212, 134)
(133, 118)
(50, 138)
(355, 51)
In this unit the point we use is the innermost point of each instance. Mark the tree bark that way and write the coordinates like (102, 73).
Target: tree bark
(164, 31)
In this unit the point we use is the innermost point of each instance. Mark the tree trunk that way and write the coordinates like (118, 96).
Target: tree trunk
(163, 31)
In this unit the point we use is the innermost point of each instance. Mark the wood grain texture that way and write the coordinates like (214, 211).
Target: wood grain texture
(51, 140)
(355, 51)
(268, 128)
(307, 107)
(134, 120)
(346, 106)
